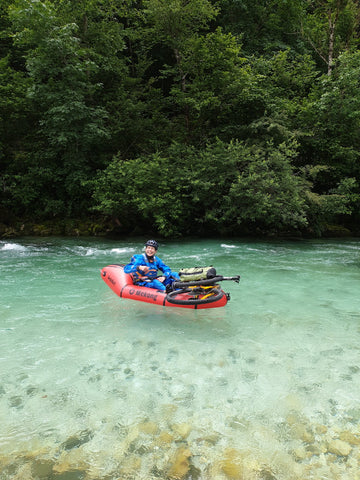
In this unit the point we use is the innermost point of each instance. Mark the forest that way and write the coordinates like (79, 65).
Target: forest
(180, 117)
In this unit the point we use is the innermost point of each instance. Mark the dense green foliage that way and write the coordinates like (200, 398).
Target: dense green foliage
(181, 116)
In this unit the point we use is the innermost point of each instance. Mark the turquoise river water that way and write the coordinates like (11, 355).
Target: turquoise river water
(94, 387)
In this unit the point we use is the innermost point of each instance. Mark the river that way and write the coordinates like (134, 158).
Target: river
(94, 387)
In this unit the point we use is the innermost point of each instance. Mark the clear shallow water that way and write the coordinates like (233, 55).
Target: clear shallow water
(97, 387)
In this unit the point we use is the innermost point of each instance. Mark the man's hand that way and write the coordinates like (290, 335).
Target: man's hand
(144, 269)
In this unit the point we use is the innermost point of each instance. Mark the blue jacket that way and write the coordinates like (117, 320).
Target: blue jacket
(154, 265)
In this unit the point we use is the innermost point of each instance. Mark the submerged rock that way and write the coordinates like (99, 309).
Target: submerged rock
(22, 473)
(42, 468)
(181, 464)
(164, 438)
(130, 467)
(232, 464)
(182, 430)
(301, 453)
(339, 447)
(168, 411)
(321, 429)
(211, 439)
(267, 474)
(149, 428)
(31, 391)
(71, 475)
(350, 438)
(71, 461)
(76, 440)
(16, 402)
(301, 431)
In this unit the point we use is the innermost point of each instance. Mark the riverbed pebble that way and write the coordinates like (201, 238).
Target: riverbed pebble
(350, 438)
(161, 448)
(339, 447)
(180, 464)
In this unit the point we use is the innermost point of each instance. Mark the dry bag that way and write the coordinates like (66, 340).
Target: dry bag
(196, 273)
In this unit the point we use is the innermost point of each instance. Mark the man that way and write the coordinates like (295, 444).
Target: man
(144, 269)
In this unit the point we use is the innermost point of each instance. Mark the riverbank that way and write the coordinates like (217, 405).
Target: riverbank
(101, 226)
(92, 226)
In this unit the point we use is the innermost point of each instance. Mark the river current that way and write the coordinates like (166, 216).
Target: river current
(94, 387)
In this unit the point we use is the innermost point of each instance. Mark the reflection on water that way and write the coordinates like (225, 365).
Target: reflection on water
(95, 387)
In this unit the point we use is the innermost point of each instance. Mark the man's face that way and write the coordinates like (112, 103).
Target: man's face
(150, 251)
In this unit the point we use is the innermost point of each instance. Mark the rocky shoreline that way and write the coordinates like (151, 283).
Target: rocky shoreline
(105, 226)
(67, 227)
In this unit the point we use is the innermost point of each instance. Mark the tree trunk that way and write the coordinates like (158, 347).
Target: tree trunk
(332, 24)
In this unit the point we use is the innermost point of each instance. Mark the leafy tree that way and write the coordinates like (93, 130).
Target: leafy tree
(264, 26)
(70, 125)
(176, 25)
(332, 116)
(221, 94)
(16, 115)
(284, 82)
(111, 33)
(330, 27)
(177, 21)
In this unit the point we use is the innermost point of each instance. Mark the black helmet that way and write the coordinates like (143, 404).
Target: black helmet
(152, 243)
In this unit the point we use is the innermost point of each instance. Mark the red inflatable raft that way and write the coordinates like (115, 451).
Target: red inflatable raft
(197, 295)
